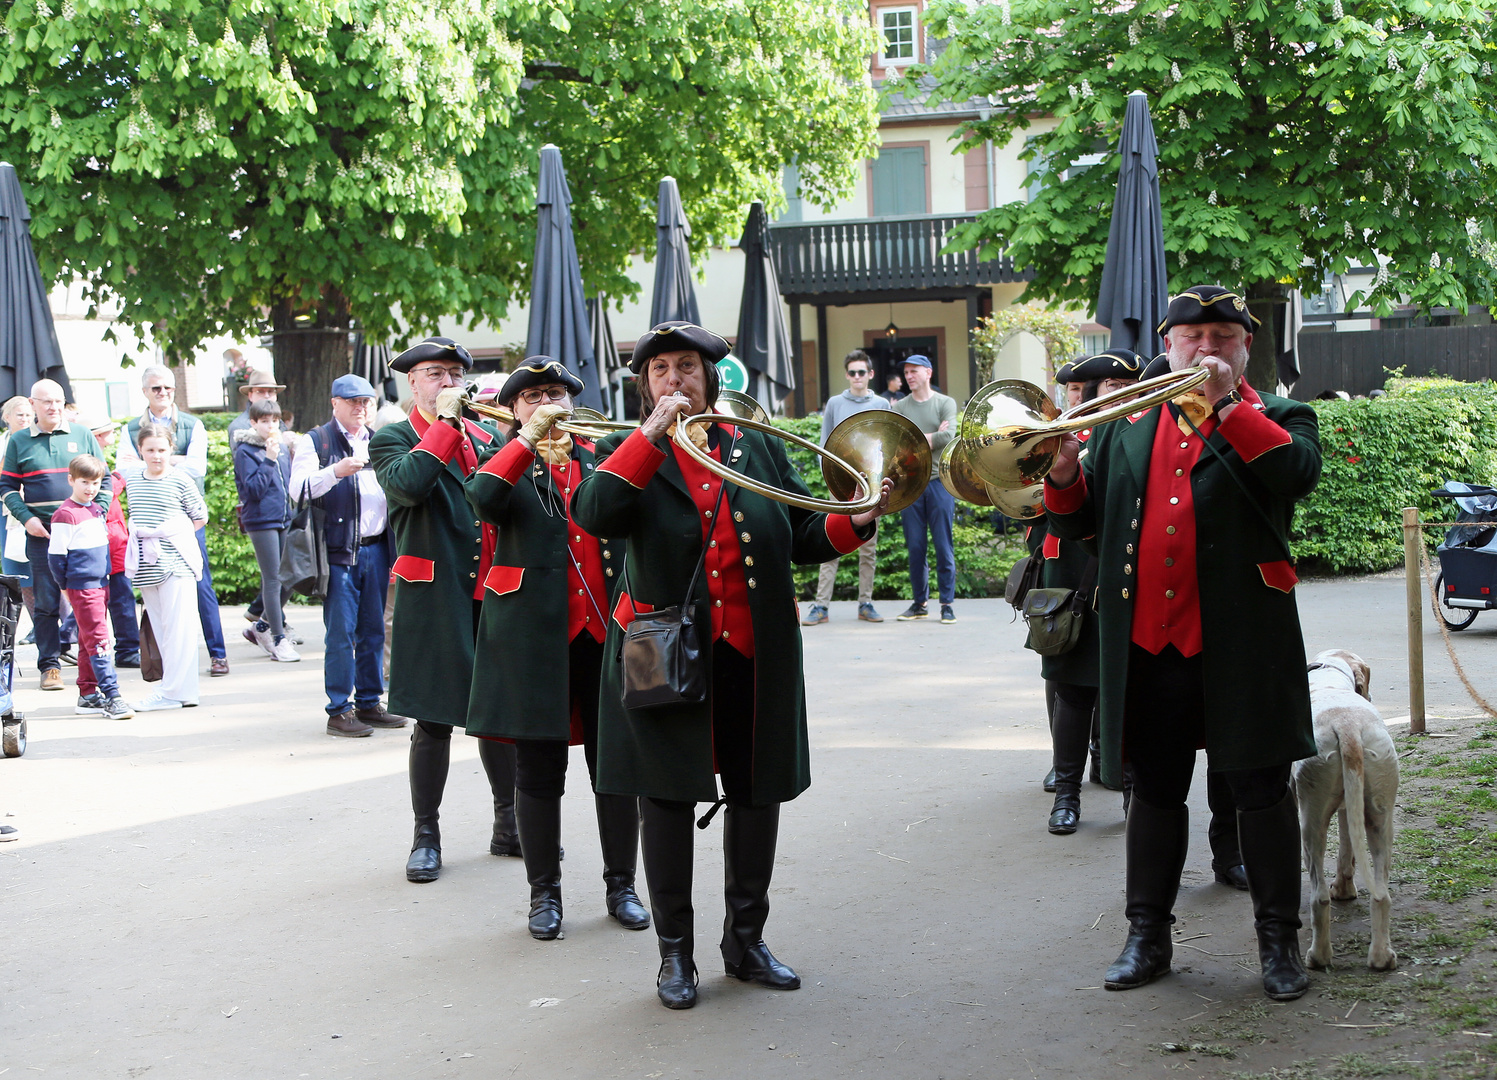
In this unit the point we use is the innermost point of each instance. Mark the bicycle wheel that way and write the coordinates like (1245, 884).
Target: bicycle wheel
(1453, 617)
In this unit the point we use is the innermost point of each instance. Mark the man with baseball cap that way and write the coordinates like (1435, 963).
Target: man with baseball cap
(935, 511)
(331, 467)
(1189, 505)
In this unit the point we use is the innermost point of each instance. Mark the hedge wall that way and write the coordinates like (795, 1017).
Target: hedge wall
(236, 576)
(1385, 453)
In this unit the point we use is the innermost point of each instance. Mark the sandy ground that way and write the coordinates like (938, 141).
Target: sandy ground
(218, 893)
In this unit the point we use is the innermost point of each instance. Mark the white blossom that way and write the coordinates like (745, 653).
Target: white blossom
(43, 11)
(311, 176)
(229, 39)
(1200, 160)
(1304, 211)
(1387, 192)
(1239, 39)
(69, 12)
(1184, 119)
(1133, 34)
(56, 120)
(192, 37)
(1175, 72)
(1434, 261)
(1336, 12)
(285, 72)
(260, 47)
(1419, 79)
(1236, 264)
(1367, 177)
(1211, 199)
(280, 169)
(1393, 62)
(1486, 70)
(1086, 88)
(1350, 234)
(1332, 158)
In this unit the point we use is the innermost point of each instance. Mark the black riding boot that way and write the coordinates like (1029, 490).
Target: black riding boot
(666, 840)
(1072, 727)
(618, 836)
(429, 757)
(1096, 745)
(1156, 842)
(499, 764)
(1271, 855)
(1226, 852)
(1050, 717)
(749, 835)
(539, 820)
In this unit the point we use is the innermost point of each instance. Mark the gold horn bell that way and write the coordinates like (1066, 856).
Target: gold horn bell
(882, 444)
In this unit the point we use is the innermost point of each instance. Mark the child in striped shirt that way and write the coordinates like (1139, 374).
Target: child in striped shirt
(78, 556)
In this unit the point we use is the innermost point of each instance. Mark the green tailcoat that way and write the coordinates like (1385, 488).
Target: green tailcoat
(438, 557)
(1257, 708)
(666, 753)
(521, 685)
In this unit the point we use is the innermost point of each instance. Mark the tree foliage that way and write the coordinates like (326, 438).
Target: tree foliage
(1295, 139)
(202, 161)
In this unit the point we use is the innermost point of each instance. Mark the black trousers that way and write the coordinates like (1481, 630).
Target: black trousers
(541, 764)
(1164, 723)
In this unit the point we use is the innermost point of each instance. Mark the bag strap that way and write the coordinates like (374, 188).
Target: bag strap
(1081, 598)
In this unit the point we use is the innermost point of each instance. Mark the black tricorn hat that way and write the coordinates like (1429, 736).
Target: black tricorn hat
(676, 335)
(1156, 367)
(537, 371)
(1066, 373)
(1208, 304)
(433, 348)
(1110, 364)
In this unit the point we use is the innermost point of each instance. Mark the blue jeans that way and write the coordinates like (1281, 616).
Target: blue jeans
(354, 618)
(47, 599)
(122, 617)
(213, 629)
(935, 511)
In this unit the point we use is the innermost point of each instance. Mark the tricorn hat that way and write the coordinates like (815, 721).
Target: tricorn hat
(537, 371)
(1110, 364)
(676, 335)
(259, 380)
(432, 348)
(1208, 304)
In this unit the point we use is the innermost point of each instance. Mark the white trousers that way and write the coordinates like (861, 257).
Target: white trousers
(173, 608)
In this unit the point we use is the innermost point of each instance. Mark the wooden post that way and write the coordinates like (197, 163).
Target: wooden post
(1412, 575)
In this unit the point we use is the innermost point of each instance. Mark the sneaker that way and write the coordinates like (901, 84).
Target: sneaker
(259, 634)
(292, 636)
(129, 660)
(52, 679)
(869, 613)
(814, 617)
(218, 667)
(91, 704)
(947, 615)
(9, 832)
(283, 651)
(117, 708)
(67, 656)
(914, 611)
(30, 638)
(157, 703)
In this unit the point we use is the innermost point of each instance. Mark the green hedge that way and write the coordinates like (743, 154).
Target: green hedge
(984, 556)
(236, 575)
(1385, 453)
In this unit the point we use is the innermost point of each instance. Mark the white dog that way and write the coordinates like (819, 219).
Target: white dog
(1356, 770)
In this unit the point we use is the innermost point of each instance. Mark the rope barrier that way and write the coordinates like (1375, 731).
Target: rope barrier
(1434, 604)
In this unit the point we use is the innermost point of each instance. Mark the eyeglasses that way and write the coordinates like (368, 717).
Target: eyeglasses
(164, 389)
(438, 374)
(543, 393)
(857, 373)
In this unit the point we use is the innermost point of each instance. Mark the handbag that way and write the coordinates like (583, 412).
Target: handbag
(1023, 577)
(304, 563)
(151, 669)
(1055, 616)
(662, 650)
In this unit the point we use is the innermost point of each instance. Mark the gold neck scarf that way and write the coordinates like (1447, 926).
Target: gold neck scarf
(1194, 406)
(697, 433)
(555, 449)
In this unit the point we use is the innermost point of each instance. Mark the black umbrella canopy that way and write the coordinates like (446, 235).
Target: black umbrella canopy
(372, 361)
(605, 349)
(28, 338)
(763, 339)
(1135, 287)
(674, 296)
(558, 310)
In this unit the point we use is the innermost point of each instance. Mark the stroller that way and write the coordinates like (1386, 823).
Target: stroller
(1468, 554)
(14, 742)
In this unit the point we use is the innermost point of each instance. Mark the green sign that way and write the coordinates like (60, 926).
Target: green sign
(733, 374)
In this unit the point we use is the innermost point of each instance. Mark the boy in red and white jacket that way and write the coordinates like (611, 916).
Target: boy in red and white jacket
(78, 556)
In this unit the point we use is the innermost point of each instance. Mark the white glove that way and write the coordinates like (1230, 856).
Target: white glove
(450, 402)
(540, 422)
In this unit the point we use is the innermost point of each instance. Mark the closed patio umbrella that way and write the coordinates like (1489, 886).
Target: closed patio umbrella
(763, 339)
(372, 361)
(674, 297)
(558, 310)
(28, 338)
(1134, 293)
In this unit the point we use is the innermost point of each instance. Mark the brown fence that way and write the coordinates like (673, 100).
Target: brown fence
(1355, 362)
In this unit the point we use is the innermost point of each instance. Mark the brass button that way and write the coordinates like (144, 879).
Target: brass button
(752, 584)
(472, 575)
(714, 573)
(1137, 503)
(745, 537)
(1135, 523)
(738, 516)
(1184, 445)
(712, 543)
(1169, 562)
(706, 487)
(579, 592)
(748, 560)
(717, 603)
(1169, 594)
(476, 558)
(1170, 529)
(478, 539)
(478, 524)
(1130, 549)
(1125, 594)
(1179, 472)
(725, 633)
(608, 572)
(709, 513)
(578, 539)
(607, 554)
(1174, 501)
(1127, 568)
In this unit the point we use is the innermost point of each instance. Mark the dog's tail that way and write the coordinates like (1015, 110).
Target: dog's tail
(1353, 779)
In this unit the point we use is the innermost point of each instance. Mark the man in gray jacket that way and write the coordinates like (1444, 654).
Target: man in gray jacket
(855, 399)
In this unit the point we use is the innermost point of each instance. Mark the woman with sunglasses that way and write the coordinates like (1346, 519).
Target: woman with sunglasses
(540, 640)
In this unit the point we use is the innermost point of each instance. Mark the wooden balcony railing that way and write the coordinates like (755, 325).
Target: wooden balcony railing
(879, 255)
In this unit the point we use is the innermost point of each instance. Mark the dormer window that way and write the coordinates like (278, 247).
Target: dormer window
(901, 36)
